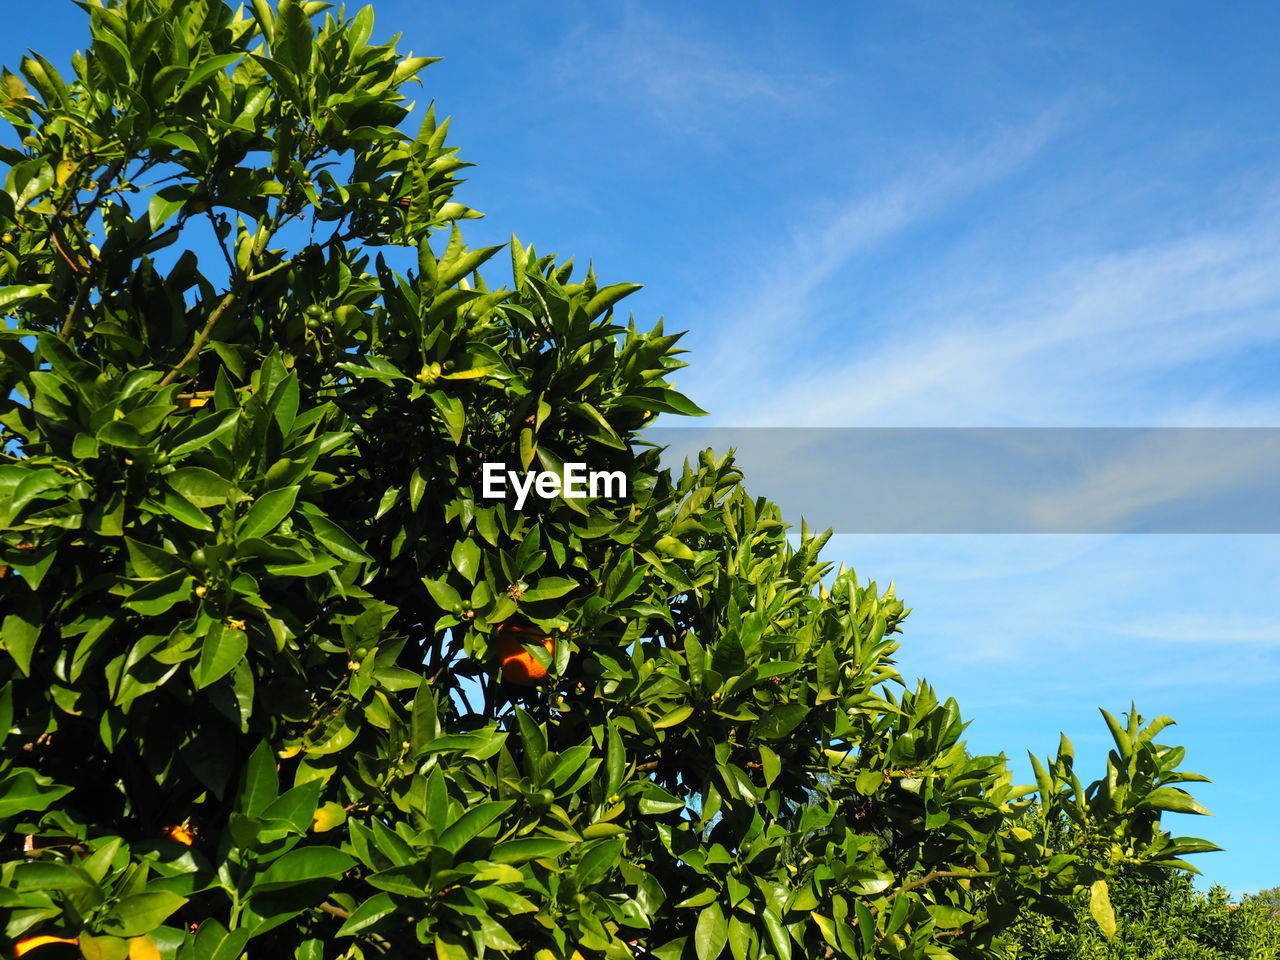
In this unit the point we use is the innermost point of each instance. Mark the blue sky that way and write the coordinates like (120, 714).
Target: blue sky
(935, 214)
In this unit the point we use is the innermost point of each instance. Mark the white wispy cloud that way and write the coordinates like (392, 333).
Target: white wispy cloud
(820, 248)
(1134, 613)
(1211, 630)
(1075, 347)
(634, 57)
(1077, 343)
(1197, 472)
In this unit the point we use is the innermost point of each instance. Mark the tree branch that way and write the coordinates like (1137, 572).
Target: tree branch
(202, 337)
(938, 875)
(82, 292)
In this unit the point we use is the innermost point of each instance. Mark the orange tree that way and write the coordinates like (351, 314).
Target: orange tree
(258, 618)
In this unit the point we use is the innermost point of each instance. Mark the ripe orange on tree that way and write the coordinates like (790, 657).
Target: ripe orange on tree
(180, 833)
(518, 665)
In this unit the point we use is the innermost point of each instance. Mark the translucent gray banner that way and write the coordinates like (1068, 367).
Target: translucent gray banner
(1005, 480)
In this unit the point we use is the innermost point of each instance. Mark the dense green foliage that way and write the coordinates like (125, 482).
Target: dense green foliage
(246, 392)
(1163, 918)
(1269, 898)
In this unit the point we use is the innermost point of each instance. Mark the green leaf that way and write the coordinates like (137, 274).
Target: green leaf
(165, 202)
(480, 361)
(184, 511)
(471, 823)
(946, 917)
(361, 28)
(527, 848)
(780, 721)
(370, 912)
(424, 721)
(770, 765)
(869, 782)
(206, 68)
(214, 942)
(466, 559)
(150, 563)
(103, 948)
(741, 936)
(373, 367)
(532, 737)
(615, 759)
(1100, 908)
(606, 297)
(120, 433)
(598, 861)
(452, 413)
(29, 179)
(727, 659)
(778, 934)
(1043, 781)
(302, 866)
(296, 806)
(292, 42)
(18, 636)
(700, 899)
(222, 649)
(417, 487)
(657, 801)
(528, 447)
(142, 912)
(549, 588)
(1124, 743)
(660, 400)
(266, 513)
(673, 717)
(15, 296)
(605, 434)
(261, 784)
(199, 433)
(202, 487)
(159, 596)
(674, 548)
(336, 540)
(446, 598)
(448, 949)
(711, 933)
(1174, 800)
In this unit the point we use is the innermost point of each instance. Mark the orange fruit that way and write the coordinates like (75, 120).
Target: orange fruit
(23, 947)
(180, 833)
(519, 665)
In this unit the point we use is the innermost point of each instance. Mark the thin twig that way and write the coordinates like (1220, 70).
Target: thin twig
(202, 337)
(53, 235)
(936, 875)
(82, 293)
(213, 221)
(258, 248)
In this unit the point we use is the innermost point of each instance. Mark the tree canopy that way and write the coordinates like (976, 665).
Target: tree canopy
(257, 614)
(1162, 918)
